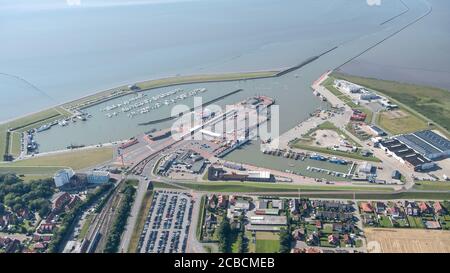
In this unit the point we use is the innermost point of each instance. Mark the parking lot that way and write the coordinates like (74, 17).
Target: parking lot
(167, 224)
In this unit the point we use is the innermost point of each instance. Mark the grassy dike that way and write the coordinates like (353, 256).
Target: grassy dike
(48, 164)
(313, 191)
(229, 186)
(140, 222)
(93, 99)
(201, 218)
(10, 143)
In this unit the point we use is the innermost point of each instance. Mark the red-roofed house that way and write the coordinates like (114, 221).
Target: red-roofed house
(61, 200)
(333, 239)
(46, 228)
(366, 207)
(232, 199)
(424, 208)
(221, 201)
(39, 246)
(72, 203)
(438, 209)
(347, 239)
(394, 212)
(318, 224)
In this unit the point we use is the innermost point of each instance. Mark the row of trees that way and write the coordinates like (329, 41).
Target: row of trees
(227, 235)
(286, 235)
(285, 240)
(242, 241)
(113, 241)
(224, 236)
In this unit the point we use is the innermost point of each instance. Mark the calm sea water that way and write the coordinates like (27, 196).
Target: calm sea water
(420, 54)
(52, 52)
(62, 53)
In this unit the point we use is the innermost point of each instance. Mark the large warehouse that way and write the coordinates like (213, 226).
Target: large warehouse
(406, 155)
(427, 143)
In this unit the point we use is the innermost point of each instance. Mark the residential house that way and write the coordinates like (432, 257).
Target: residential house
(334, 216)
(24, 214)
(366, 207)
(73, 202)
(318, 224)
(424, 208)
(46, 228)
(313, 239)
(333, 239)
(343, 227)
(60, 200)
(293, 206)
(347, 239)
(210, 221)
(368, 219)
(411, 208)
(221, 202)
(42, 237)
(380, 207)
(232, 199)
(40, 246)
(438, 209)
(211, 201)
(394, 212)
(299, 234)
(335, 206)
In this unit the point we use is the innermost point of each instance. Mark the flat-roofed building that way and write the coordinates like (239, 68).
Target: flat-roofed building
(261, 176)
(62, 177)
(427, 143)
(266, 222)
(97, 177)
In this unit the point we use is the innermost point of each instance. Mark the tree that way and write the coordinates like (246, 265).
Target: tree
(17, 207)
(224, 233)
(2, 209)
(44, 210)
(285, 241)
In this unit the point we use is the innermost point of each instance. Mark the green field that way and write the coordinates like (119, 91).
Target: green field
(385, 222)
(199, 228)
(164, 185)
(432, 103)
(32, 171)
(376, 196)
(267, 242)
(408, 124)
(48, 164)
(415, 222)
